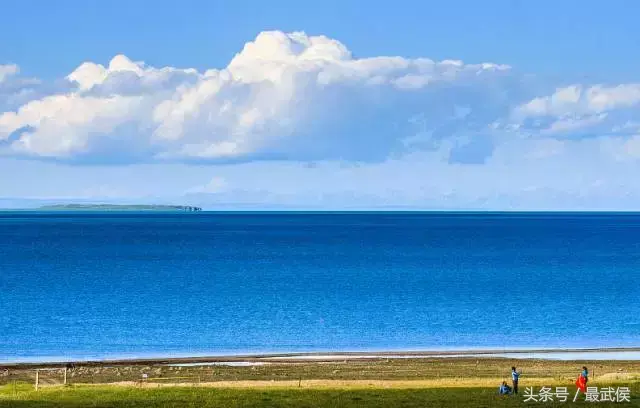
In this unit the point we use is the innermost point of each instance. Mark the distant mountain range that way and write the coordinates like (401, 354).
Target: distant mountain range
(51, 205)
(117, 207)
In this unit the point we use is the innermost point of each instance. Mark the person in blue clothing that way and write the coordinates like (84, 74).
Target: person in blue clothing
(504, 389)
(515, 376)
(585, 374)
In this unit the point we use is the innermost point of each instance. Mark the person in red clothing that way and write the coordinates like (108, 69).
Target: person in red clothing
(582, 381)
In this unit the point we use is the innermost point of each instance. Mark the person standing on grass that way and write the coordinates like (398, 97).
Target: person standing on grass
(581, 383)
(515, 376)
(585, 374)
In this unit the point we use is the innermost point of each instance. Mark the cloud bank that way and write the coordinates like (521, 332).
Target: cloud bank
(295, 97)
(283, 96)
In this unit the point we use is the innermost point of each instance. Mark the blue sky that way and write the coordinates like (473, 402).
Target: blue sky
(497, 105)
(583, 38)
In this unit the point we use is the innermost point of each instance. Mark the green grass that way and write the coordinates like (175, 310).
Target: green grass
(440, 374)
(192, 397)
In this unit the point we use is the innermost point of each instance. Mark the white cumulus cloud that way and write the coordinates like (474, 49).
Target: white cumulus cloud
(577, 99)
(284, 95)
(299, 97)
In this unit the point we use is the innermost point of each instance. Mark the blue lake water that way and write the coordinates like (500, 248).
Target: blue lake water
(100, 285)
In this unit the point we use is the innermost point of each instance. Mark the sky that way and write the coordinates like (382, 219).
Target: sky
(498, 105)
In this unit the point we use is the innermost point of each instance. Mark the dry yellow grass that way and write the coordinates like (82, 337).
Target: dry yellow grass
(608, 378)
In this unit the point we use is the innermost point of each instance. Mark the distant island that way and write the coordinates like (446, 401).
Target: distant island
(117, 207)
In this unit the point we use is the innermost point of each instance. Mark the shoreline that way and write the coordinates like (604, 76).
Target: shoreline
(612, 353)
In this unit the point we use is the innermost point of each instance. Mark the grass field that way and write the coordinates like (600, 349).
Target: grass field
(448, 369)
(192, 397)
(444, 382)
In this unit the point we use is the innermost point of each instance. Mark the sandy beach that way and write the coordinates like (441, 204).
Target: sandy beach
(595, 354)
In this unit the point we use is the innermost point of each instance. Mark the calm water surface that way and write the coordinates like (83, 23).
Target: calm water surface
(97, 285)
